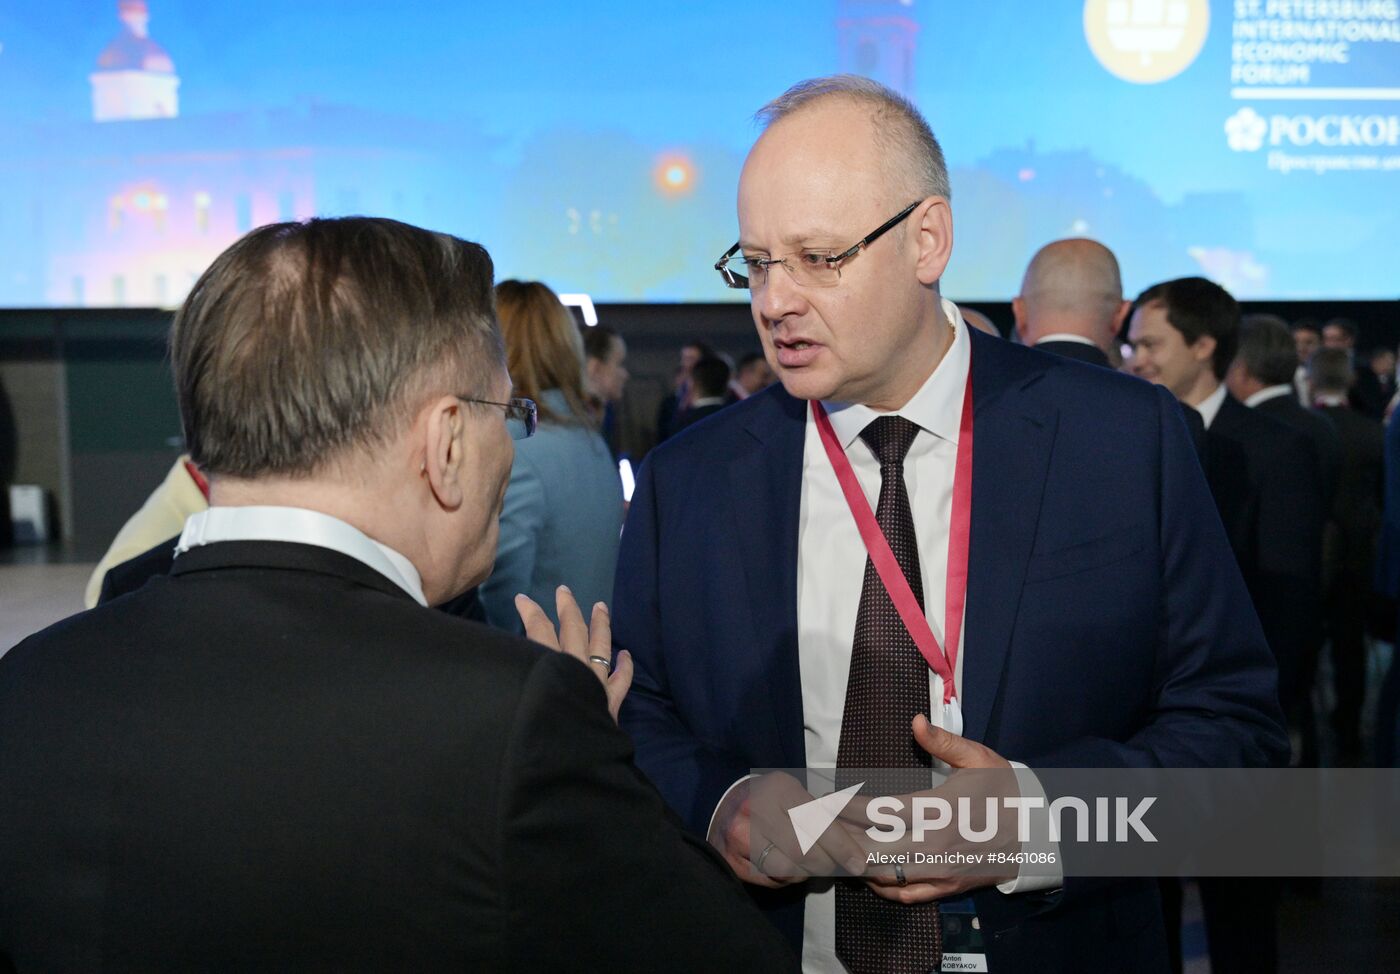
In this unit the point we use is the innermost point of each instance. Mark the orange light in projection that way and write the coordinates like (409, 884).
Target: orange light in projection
(674, 174)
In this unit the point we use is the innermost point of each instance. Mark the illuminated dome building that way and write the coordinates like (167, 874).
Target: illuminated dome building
(135, 78)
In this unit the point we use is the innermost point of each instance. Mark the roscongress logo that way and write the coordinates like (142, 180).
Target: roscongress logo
(1248, 131)
(1245, 130)
(1146, 41)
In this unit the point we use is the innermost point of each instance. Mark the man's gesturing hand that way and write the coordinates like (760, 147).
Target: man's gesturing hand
(591, 646)
(985, 775)
(753, 832)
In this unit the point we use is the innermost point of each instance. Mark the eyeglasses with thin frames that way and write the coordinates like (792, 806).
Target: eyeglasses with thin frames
(809, 268)
(522, 416)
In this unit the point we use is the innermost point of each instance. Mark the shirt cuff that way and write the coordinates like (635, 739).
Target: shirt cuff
(710, 832)
(1050, 871)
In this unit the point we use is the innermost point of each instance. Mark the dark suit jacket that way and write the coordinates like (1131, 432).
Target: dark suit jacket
(1264, 477)
(1357, 509)
(1106, 623)
(273, 758)
(130, 575)
(1321, 432)
(1077, 351)
(1367, 395)
(690, 417)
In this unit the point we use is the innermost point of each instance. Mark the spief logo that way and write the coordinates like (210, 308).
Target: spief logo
(1146, 41)
(1245, 130)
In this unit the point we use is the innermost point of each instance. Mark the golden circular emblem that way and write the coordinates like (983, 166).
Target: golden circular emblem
(1146, 41)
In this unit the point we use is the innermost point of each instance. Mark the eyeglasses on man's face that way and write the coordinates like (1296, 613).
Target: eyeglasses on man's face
(522, 416)
(809, 268)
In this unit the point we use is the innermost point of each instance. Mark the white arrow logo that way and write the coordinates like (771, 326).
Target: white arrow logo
(811, 819)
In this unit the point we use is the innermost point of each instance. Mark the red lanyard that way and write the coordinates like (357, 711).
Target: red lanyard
(198, 479)
(944, 664)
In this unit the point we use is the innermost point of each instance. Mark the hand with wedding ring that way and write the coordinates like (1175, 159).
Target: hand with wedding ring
(978, 774)
(754, 834)
(589, 644)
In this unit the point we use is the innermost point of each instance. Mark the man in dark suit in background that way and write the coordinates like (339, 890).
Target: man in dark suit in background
(1263, 474)
(1071, 301)
(1264, 478)
(1382, 363)
(1104, 622)
(672, 409)
(1307, 338)
(1261, 377)
(276, 757)
(709, 386)
(1366, 395)
(1356, 513)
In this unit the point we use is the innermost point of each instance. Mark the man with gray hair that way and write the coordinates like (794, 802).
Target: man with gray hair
(1356, 515)
(1261, 377)
(876, 594)
(1071, 301)
(277, 757)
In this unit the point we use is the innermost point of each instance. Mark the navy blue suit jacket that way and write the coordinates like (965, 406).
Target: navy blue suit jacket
(1106, 624)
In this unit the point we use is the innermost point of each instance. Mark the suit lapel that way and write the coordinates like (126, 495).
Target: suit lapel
(765, 485)
(1014, 434)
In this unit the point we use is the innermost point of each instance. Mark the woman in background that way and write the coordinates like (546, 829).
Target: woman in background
(563, 507)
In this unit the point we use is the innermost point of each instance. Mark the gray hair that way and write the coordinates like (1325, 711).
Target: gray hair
(1267, 350)
(1330, 371)
(900, 130)
(304, 340)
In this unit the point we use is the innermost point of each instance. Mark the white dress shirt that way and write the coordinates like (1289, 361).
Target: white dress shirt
(1267, 393)
(1064, 336)
(831, 570)
(297, 524)
(1210, 405)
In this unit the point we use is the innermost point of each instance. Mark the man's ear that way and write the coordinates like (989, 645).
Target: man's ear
(444, 440)
(935, 238)
(1203, 348)
(1119, 316)
(1018, 311)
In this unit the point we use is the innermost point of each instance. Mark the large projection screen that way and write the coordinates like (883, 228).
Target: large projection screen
(596, 146)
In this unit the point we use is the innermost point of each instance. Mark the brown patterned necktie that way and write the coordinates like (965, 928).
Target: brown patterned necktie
(888, 687)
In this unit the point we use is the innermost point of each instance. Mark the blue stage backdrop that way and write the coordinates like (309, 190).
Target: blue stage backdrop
(597, 145)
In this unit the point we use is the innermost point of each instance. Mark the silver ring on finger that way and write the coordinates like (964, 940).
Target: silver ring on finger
(602, 660)
(758, 863)
(899, 876)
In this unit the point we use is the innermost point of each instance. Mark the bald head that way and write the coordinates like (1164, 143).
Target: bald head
(1071, 287)
(978, 320)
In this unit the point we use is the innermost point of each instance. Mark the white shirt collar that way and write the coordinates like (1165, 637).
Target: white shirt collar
(1271, 392)
(302, 526)
(1331, 398)
(1211, 404)
(1064, 336)
(708, 401)
(936, 407)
